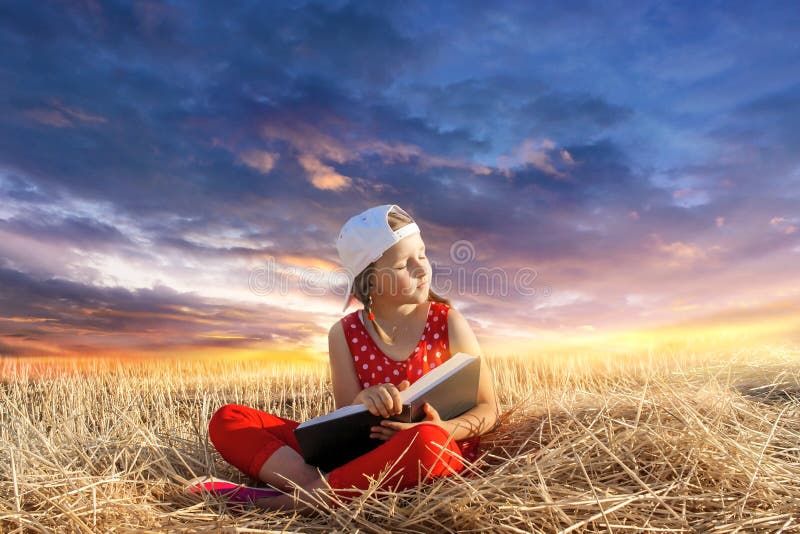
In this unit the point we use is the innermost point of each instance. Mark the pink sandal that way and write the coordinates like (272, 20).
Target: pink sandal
(232, 491)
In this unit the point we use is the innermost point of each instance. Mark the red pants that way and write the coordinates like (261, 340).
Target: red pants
(246, 438)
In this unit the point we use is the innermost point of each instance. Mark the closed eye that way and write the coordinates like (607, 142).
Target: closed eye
(422, 257)
(404, 266)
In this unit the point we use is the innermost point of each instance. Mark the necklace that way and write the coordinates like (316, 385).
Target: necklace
(395, 334)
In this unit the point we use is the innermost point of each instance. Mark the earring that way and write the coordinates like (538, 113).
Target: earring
(369, 309)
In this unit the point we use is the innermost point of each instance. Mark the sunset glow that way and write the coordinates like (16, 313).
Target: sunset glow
(604, 182)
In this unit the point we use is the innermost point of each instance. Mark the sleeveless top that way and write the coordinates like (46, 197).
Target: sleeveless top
(374, 367)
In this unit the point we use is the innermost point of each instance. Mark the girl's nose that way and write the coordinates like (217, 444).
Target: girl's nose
(420, 272)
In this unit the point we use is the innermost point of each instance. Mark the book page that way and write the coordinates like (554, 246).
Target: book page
(414, 391)
(434, 376)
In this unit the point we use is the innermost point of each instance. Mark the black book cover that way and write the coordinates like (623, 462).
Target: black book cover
(334, 439)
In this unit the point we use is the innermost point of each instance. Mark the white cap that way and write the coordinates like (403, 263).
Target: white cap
(365, 237)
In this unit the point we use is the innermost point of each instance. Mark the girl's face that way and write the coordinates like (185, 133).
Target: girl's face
(403, 274)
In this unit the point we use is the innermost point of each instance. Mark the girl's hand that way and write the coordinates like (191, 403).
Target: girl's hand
(389, 428)
(382, 399)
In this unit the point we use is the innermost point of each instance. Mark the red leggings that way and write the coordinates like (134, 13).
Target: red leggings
(246, 438)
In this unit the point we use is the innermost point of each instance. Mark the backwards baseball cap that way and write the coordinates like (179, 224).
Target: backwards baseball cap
(365, 237)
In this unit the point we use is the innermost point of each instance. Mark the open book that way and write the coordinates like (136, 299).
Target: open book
(334, 439)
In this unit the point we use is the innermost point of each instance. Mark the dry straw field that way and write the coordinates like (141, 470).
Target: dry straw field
(657, 442)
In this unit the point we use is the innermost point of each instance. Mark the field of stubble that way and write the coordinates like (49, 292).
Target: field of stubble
(657, 442)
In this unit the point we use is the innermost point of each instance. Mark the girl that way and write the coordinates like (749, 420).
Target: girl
(404, 330)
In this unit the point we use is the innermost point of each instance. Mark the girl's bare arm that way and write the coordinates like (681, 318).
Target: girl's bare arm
(346, 385)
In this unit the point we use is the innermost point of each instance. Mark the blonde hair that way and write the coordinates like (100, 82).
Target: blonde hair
(361, 284)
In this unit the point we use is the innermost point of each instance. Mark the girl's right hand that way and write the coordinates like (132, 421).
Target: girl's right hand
(382, 399)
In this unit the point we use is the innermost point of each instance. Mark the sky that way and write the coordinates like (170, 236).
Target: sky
(173, 175)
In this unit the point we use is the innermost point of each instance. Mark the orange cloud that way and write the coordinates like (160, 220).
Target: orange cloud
(26, 319)
(682, 250)
(784, 225)
(315, 147)
(308, 140)
(323, 176)
(683, 305)
(259, 160)
(678, 253)
(307, 262)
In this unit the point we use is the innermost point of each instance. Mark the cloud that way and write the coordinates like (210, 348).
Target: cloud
(131, 145)
(640, 300)
(405, 153)
(18, 190)
(499, 106)
(71, 231)
(786, 226)
(773, 119)
(157, 21)
(563, 298)
(323, 176)
(575, 109)
(259, 160)
(353, 42)
(306, 138)
(678, 253)
(58, 115)
(682, 251)
(52, 312)
(688, 198)
(538, 153)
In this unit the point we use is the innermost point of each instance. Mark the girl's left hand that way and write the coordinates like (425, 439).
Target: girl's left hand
(389, 428)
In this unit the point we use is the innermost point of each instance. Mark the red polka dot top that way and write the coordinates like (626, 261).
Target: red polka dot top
(374, 367)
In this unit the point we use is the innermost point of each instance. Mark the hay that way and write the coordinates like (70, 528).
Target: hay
(657, 443)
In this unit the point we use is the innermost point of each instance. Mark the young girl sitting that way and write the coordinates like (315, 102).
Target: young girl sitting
(403, 331)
